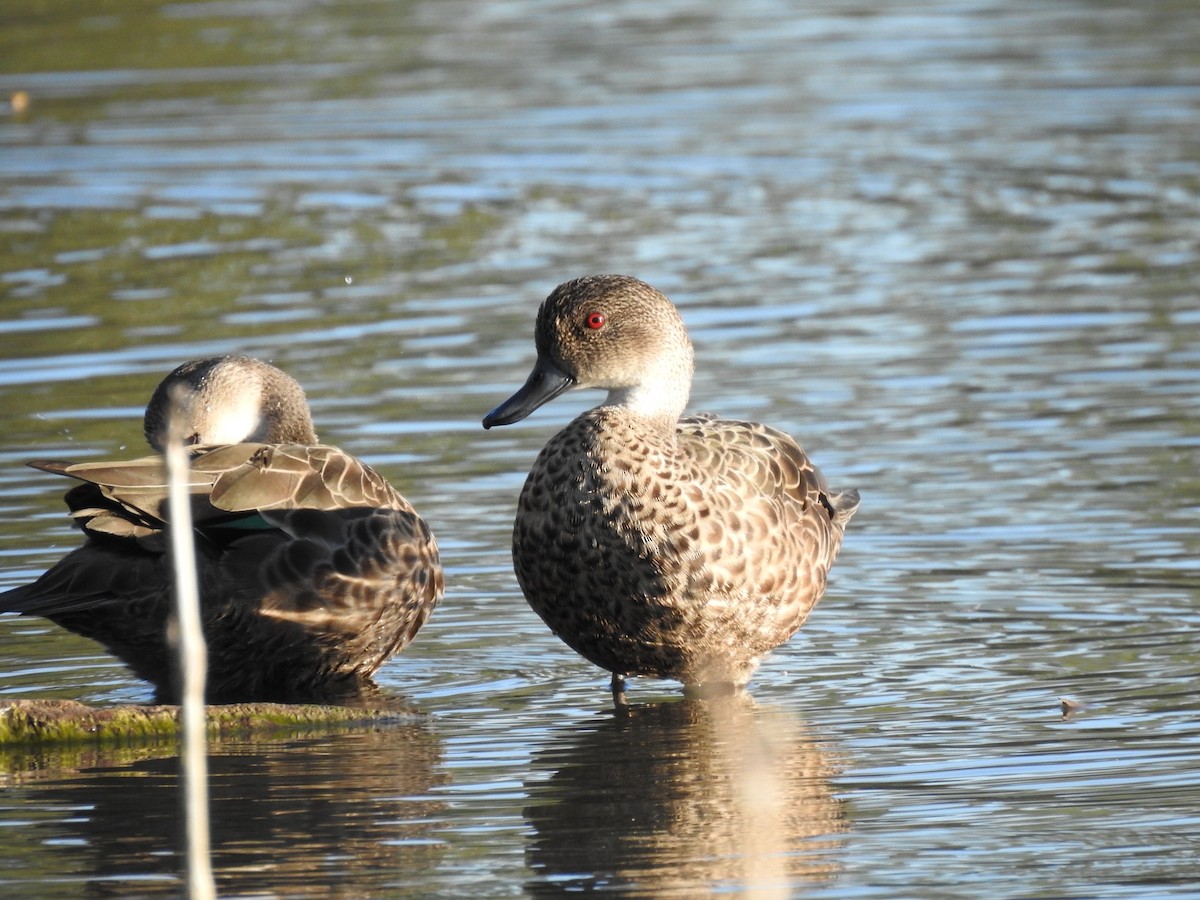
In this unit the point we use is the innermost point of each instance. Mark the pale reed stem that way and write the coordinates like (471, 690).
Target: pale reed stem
(193, 750)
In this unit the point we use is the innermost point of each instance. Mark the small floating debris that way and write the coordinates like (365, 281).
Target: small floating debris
(1070, 706)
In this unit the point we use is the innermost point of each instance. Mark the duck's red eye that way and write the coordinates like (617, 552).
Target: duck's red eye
(595, 320)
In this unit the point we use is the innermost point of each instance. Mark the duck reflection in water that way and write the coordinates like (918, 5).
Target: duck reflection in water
(337, 813)
(684, 799)
(313, 569)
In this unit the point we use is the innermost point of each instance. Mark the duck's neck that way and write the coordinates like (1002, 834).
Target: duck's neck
(661, 392)
(659, 403)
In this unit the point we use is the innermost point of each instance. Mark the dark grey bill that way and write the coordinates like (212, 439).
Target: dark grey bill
(544, 383)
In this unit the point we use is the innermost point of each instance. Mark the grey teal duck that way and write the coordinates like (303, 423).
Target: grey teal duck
(683, 548)
(313, 569)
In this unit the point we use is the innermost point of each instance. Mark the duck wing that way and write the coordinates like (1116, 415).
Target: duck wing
(128, 499)
(762, 459)
(292, 476)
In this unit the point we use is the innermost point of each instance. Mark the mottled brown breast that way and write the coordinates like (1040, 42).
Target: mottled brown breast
(677, 552)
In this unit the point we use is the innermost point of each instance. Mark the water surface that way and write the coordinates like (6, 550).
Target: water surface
(952, 246)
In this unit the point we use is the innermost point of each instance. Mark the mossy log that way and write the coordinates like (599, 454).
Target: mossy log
(26, 722)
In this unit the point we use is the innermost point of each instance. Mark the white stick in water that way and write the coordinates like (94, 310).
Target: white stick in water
(193, 663)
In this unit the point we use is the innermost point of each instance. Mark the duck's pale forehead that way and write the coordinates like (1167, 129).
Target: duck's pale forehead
(235, 419)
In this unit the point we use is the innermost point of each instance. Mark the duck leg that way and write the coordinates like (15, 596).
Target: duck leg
(618, 690)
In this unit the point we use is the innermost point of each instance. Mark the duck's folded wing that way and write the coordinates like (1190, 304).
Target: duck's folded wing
(760, 457)
(126, 499)
(348, 576)
(293, 476)
(129, 498)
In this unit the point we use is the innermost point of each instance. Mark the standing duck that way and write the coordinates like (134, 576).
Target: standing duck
(683, 548)
(313, 570)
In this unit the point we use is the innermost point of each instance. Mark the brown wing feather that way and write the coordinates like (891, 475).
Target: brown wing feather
(346, 587)
(757, 455)
(129, 498)
(773, 530)
(294, 476)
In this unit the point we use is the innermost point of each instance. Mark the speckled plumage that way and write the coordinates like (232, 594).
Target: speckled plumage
(682, 548)
(313, 569)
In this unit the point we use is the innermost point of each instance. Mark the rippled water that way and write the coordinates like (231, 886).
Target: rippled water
(952, 246)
